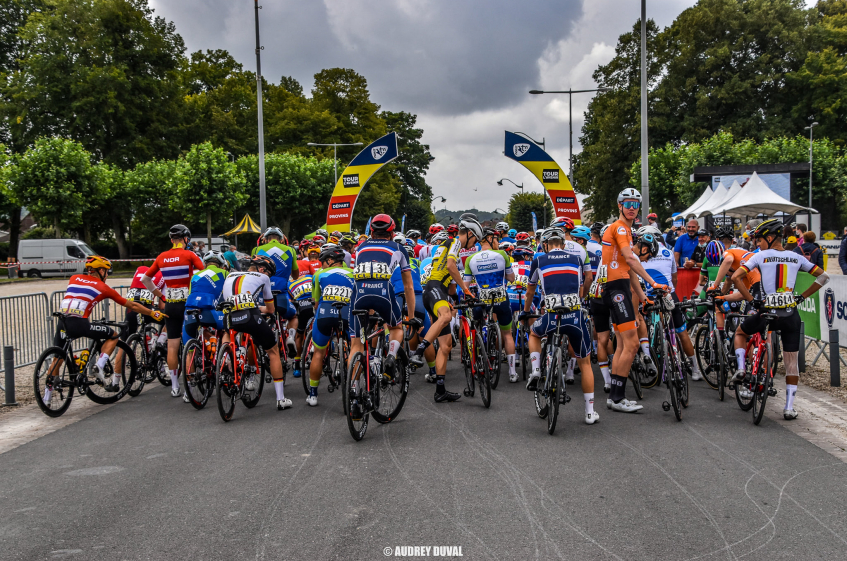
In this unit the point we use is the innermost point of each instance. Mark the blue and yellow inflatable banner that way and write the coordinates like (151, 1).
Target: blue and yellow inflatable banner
(548, 172)
(353, 179)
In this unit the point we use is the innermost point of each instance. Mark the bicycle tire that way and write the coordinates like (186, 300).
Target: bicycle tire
(194, 378)
(150, 334)
(392, 394)
(524, 355)
(684, 380)
(483, 370)
(465, 357)
(636, 373)
(306, 361)
(554, 377)
(648, 381)
(541, 403)
(745, 403)
(351, 392)
(334, 369)
(761, 386)
(495, 353)
(139, 350)
(670, 379)
(707, 359)
(226, 389)
(722, 369)
(97, 393)
(63, 388)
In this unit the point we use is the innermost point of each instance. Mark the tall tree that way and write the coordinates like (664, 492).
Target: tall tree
(521, 207)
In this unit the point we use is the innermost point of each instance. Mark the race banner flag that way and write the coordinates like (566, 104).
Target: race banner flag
(339, 216)
(534, 222)
(548, 172)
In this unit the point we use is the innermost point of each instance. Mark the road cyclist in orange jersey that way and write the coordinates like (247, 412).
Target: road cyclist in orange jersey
(619, 272)
(177, 266)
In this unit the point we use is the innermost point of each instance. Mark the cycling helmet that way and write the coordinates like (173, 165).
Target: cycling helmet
(266, 262)
(304, 245)
(333, 239)
(97, 262)
(724, 232)
(522, 237)
(488, 231)
(629, 194)
(452, 230)
(179, 231)
(538, 233)
(468, 215)
(603, 229)
(410, 244)
(347, 239)
(508, 247)
(650, 241)
(273, 231)
(636, 224)
(322, 232)
(649, 229)
(552, 233)
(399, 238)
(512, 233)
(318, 240)
(435, 228)
(473, 227)
(652, 215)
(439, 237)
(563, 222)
(502, 226)
(714, 252)
(336, 234)
(413, 234)
(331, 252)
(217, 257)
(581, 232)
(522, 254)
(382, 223)
(596, 228)
(314, 248)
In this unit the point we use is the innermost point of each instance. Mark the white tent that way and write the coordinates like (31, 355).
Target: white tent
(693, 208)
(718, 197)
(755, 198)
(718, 208)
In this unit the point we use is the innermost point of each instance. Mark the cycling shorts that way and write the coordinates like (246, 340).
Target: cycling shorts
(677, 317)
(176, 315)
(209, 318)
(377, 296)
(573, 326)
(250, 322)
(75, 328)
(434, 298)
(617, 296)
(420, 312)
(285, 308)
(306, 311)
(788, 325)
(503, 311)
(325, 325)
(601, 315)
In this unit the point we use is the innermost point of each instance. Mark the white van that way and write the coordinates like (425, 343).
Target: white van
(52, 258)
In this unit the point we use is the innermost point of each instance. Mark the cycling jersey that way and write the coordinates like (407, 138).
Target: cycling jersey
(616, 237)
(397, 278)
(739, 257)
(138, 292)
(465, 253)
(84, 292)
(301, 290)
(331, 285)
(595, 254)
(177, 266)
(560, 271)
(424, 252)
(283, 257)
(661, 269)
(425, 268)
(441, 255)
(507, 239)
(778, 269)
(488, 268)
(255, 285)
(206, 287)
(308, 267)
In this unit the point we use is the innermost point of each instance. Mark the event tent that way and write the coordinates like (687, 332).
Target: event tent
(718, 197)
(697, 204)
(246, 226)
(755, 198)
(718, 208)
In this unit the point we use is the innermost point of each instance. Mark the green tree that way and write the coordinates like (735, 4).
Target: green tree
(205, 182)
(151, 215)
(521, 207)
(56, 181)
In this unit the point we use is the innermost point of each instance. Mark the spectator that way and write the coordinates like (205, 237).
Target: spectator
(652, 220)
(745, 241)
(685, 244)
(842, 253)
(699, 254)
(791, 243)
(810, 249)
(231, 258)
(670, 237)
(801, 230)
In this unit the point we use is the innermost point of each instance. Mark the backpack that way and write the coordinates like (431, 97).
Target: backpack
(810, 255)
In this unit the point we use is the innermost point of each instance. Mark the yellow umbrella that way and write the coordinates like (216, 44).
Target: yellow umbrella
(246, 226)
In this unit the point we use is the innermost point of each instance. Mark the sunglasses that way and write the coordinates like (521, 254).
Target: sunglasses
(629, 205)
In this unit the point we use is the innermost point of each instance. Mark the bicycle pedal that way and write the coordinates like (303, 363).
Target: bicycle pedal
(666, 406)
(467, 392)
(772, 392)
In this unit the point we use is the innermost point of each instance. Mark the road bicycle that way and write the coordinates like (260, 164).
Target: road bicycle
(334, 361)
(369, 390)
(61, 371)
(238, 359)
(199, 362)
(151, 363)
(713, 348)
(475, 359)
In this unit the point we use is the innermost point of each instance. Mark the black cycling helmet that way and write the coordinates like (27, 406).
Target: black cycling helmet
(331, 252)
(724, 232)
(649, 241)
(772, 227)
(488, 231)
(179, 231)
(266, 262)
(596, 228)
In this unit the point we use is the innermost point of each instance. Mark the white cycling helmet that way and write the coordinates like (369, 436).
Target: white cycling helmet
(603, 230)
(649, 229)
(438, 238)
(399, 238)
(629, 194)
(475, 227)
(502, 227)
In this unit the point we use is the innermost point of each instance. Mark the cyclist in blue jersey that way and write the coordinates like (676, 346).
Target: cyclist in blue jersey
(564, 274)
(285, 259)
(204, 293)
(333, 283)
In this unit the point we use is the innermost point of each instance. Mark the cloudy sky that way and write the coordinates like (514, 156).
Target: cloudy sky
(464, 67)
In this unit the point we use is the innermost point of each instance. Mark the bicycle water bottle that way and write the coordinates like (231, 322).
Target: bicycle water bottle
(83, 359)
(239, 356)
(213, 344)
(374, 362)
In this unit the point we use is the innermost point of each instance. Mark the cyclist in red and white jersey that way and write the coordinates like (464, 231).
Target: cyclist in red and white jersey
(177, 266)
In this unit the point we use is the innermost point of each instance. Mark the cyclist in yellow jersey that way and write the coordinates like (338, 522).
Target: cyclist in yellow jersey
(444, 269)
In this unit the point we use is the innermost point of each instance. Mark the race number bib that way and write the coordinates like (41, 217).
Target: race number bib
(780, 300)
(493, 295)
(372, 270)
(427, 271)
(131, 293)
(242, 301)
(303, 291)
(668, 302)
(557, 301)
(595, 290)
(144, 296)
(73, 307)
(177, 294)
(521, 280)
(337, 294)
(602, 274)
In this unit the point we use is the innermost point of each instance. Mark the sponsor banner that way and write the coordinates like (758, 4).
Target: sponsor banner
(548, 172)
(352, 180)
(810, 310)
(833, 308)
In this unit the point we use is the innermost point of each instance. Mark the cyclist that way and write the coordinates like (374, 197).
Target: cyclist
(83, 292)
(348, 244)
(618, 276)
(375, 262)
(300, 291)
(250, 292)
(205, 292)
(177, 265)
(660, 263)
(287, 267)
(779, 269)
(452, 230)
(333, 283)
(728, 261)
(510, 236)
(564, 273)
(502, 229)
(490, 269)
(441, 271)
(138, 293)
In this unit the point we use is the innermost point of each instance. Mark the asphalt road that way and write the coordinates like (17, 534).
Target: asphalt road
(152, 478)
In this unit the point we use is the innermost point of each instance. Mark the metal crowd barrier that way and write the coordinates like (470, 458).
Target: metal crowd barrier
(27, 323)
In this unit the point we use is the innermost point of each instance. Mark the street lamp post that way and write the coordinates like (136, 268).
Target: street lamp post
(263, 213)
(570, 119)
(810, 128)
(645, 181)
(335, 146)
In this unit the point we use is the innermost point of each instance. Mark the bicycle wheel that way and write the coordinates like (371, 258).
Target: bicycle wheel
(761, 386)
(524, 352)
(392, 393)
(354, 393)
(195, 381)
(483, 373)
(139, 350)
(494, 348)
(335, 363)
(635, 375)
(685, 375)
(120, 367)
(722, 368)
(707, 359)
(467, 365)
(306, 360)
(227, 390)
(149, 335)
(746, 386)
(671, 375)
(541, 403)
(648, 381)
(52, 372)
(553, 378)
(251, 397)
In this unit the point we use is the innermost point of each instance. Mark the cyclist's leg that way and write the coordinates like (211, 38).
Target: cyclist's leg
(751, 324)
(435, 299)
(322, 330)
(579, 341)
(687, 346)
(602, 321)
(304, 314)
(504, 319)
(176, 314)
(617, 296)
(445, 343)
(789, 332)
(537, 330)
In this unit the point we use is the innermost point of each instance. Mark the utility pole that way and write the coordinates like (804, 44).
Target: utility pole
(263, 211)
(645, 183)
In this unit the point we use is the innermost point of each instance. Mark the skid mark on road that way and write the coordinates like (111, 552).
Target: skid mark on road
(264, 531)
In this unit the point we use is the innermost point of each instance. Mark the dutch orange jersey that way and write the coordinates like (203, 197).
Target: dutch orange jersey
(616, 237)
(739, 257)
